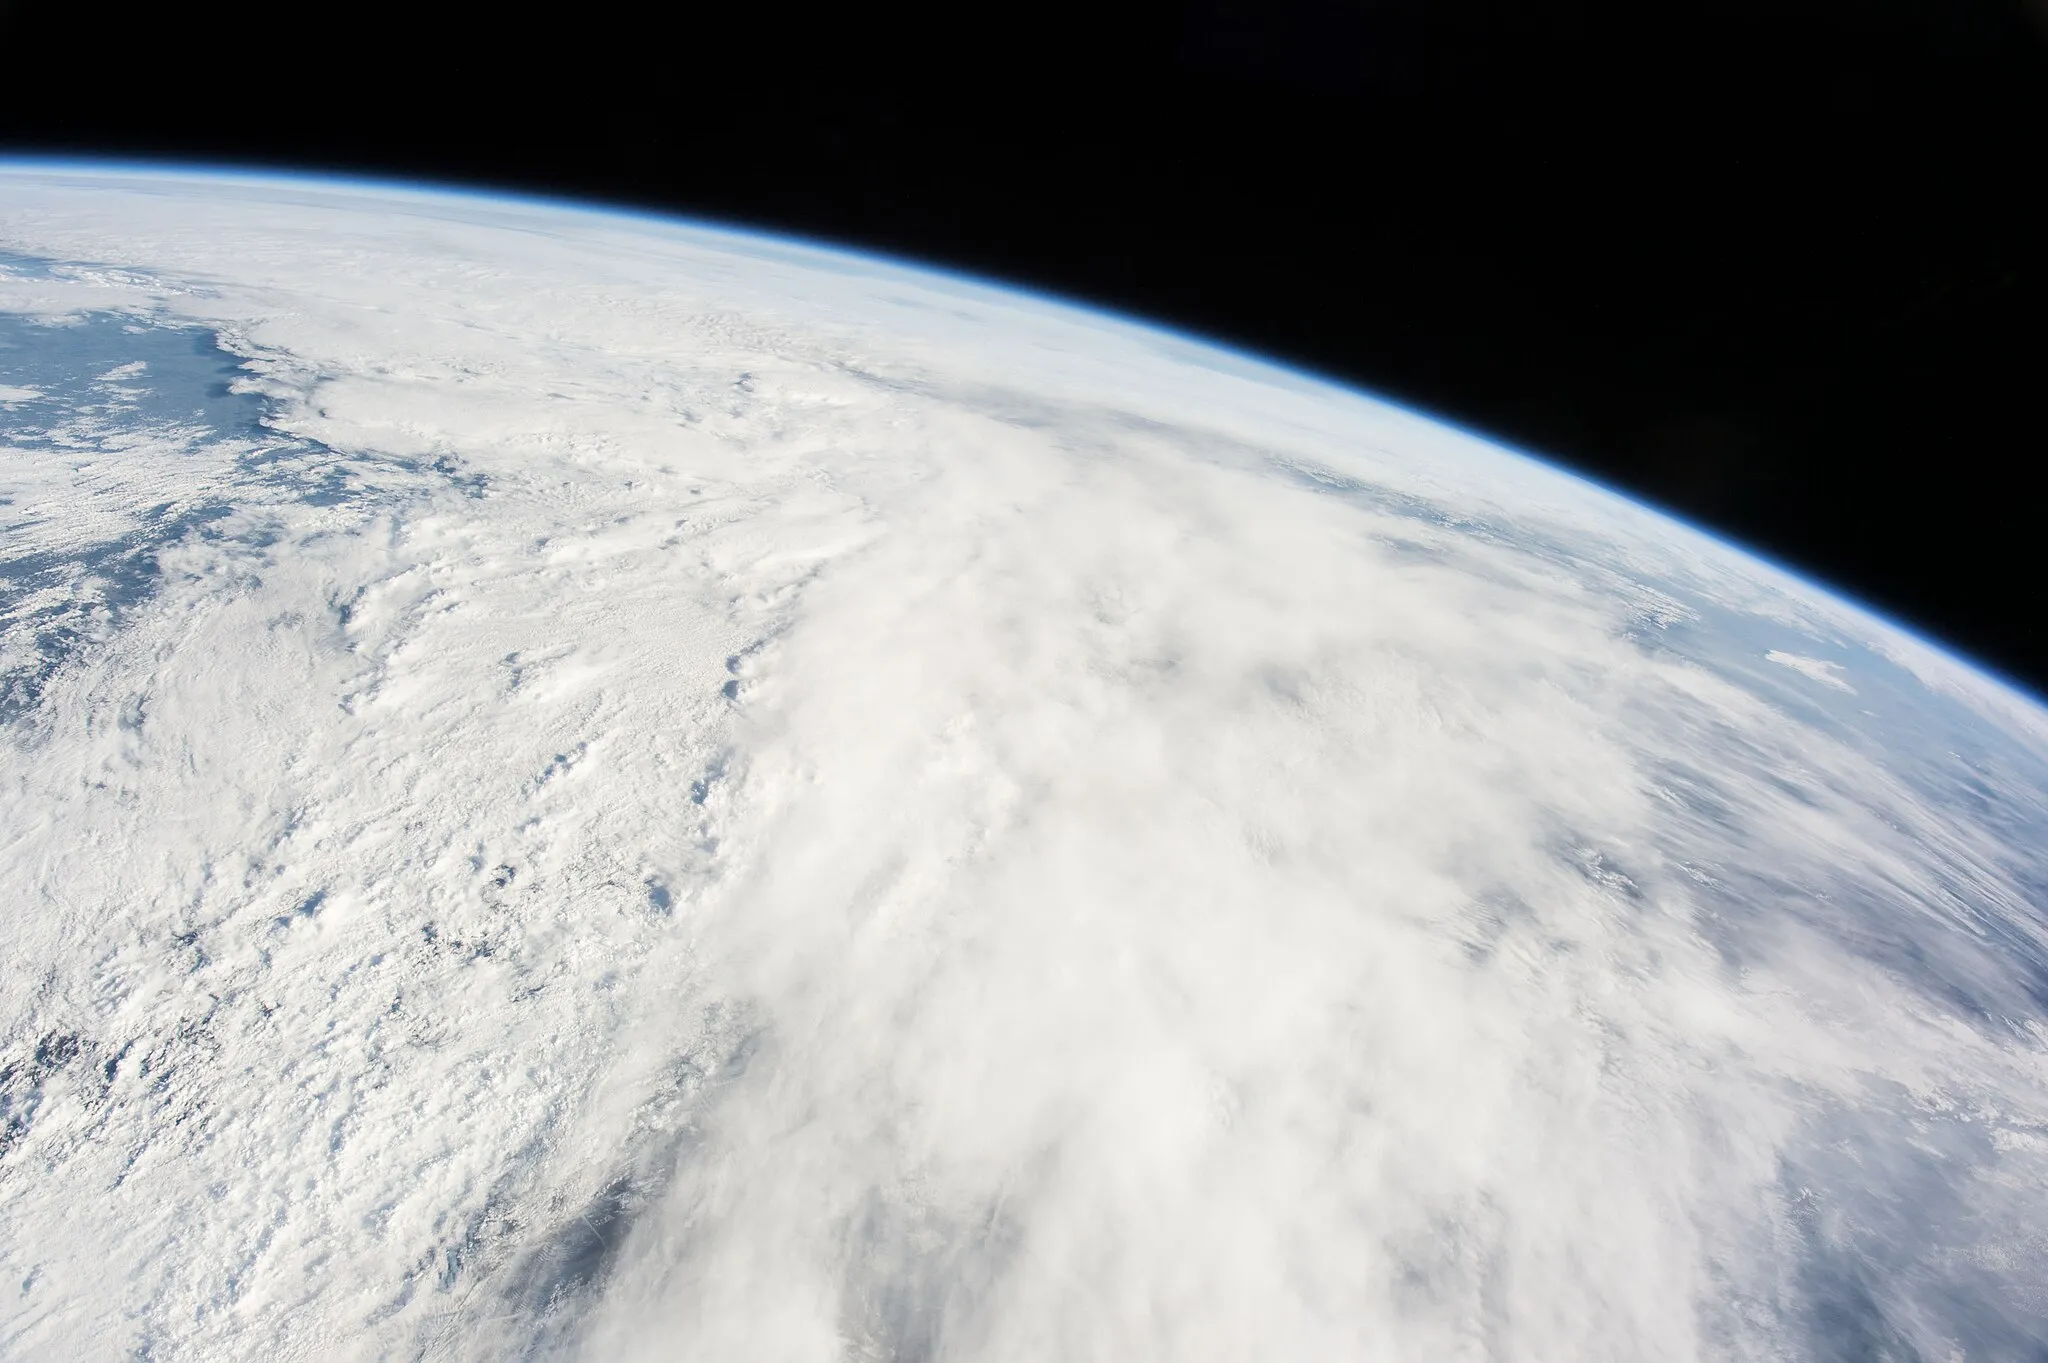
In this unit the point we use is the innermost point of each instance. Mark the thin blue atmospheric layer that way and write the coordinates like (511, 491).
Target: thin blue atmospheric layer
(1186, 346)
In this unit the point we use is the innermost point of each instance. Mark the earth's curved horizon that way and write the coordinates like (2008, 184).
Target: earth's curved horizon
(283, 176)
(580, 784)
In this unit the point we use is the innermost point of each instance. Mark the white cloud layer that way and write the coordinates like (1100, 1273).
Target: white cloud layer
(1819, 669)
(777, 807)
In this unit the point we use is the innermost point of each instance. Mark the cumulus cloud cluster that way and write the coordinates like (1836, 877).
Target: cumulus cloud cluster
(682, 796)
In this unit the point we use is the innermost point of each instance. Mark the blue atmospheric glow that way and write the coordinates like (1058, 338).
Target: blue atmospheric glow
(798, 247)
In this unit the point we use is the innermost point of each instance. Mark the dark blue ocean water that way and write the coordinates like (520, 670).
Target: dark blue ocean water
(116, 368)
(100, 380)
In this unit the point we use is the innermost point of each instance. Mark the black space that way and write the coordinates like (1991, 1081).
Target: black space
(1780, 266)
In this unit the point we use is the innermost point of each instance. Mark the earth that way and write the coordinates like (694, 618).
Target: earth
(580, 785)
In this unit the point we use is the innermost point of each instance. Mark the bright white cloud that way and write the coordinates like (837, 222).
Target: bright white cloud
(800, 811)
(1819, 669)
